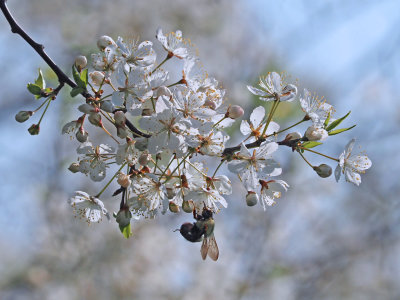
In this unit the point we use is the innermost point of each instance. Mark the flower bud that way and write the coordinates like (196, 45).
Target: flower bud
(235, 111)
(123, 217)
(173, 207)
(104, 41)
(82, 135)
(107, 106)
(144, 159)
(188, 206)
(119, 118)
(22, 116)
(95, 119)
(124, 180)
(210, 104)
(293, 136)
(34, 129)
(323, 170)
(87, 108)
(74, 167)
(163, 91)
(316, 134)
(251, 198)
(80, 62)
(97, 77)
(122, 132)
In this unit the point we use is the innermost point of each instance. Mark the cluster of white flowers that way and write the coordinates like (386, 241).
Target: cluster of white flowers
(163, 123)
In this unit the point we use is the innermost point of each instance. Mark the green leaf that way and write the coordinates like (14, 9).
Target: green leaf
(77, 78)
(333, 132)
(34, 89)
(84, 77)
(126, 231)
(76, 91)
(40, 80)
(337, 122)
(310, 144)
(327, 120)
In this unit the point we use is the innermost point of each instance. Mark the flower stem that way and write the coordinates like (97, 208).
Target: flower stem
(219, 121)
(271, 114)
(335, 159)
(168, 57)
(108, 183)
(47, 106)
(220, 164)
(301, 154)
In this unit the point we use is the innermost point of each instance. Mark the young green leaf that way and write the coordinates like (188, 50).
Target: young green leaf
(337, 122)
(34, 89)
(337, 131)
(76, 91)
(40, 80)
(327, 120)
(84, 77)
(77, 78)
(310, 144)
(126, 231)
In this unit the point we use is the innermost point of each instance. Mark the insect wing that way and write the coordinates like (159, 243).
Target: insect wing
(204, 248)
(213, 251)
(210, 247)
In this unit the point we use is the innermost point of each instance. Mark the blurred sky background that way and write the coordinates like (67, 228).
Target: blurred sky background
(323, 240)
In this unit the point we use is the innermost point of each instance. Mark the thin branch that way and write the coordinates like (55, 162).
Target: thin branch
(39, 48)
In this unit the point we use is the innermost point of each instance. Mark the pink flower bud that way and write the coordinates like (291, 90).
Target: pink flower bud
(87, 108)
(314, 133)
(293, 136)
(97, 77)
(251, 198)
(80, 61)
(124, 180)
(104, 41)
(235, 111)
(144, 159)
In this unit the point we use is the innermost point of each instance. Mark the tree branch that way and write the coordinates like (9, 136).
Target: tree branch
(39, 48)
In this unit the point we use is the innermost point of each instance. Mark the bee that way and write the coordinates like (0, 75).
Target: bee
(202, 230)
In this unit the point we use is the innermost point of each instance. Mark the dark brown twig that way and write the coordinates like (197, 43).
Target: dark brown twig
(39, 48)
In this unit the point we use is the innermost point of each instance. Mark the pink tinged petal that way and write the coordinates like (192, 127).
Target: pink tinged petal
(258, 92)
(257, 116)
(245, 127)
(338, 172)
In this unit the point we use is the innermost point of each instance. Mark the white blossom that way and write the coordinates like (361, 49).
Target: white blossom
(271, 190)
(272, 86)
(88, 207)
(352, 165)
